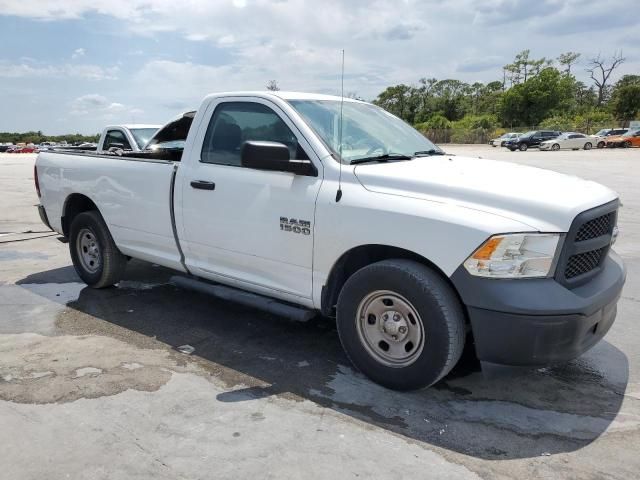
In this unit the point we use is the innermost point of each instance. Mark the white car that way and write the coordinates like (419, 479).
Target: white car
(411, 250)
(568, 140)
(499, 142)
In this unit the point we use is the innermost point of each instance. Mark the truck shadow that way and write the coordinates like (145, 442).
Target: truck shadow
(512, 414)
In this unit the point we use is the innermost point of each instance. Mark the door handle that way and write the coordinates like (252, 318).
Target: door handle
(203, 185)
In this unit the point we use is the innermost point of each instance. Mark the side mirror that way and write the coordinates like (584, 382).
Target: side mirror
(273, 156)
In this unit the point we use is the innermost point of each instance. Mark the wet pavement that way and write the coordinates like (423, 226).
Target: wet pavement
(93, 385)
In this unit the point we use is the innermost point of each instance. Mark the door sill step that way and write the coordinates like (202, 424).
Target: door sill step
(223, 292)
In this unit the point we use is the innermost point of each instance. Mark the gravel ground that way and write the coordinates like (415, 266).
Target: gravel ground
(92, 384)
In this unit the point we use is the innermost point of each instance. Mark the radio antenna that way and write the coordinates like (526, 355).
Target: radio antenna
(339, 192)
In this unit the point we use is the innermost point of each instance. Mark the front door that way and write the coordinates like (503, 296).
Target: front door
(243, 226)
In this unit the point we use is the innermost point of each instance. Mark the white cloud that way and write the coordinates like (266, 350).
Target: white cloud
(97, 105)
(77, 53)
(39, 70)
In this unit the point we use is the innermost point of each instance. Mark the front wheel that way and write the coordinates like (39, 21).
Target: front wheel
(523, 147)
(555, 147)
(95, 256)
(627, 144)
(401, 324)
(600, 145)
(587, 146)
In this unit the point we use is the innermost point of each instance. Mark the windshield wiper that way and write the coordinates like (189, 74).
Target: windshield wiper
(430, 152)
(381, 158)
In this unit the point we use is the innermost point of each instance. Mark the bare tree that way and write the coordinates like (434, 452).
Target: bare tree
(567, 59)
(272, 85)
(600, 72)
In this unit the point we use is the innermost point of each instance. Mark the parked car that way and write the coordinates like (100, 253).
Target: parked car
(530, 139)
(266, 208)
(572, 140)
(500, 141)
(629, 139)
(5, 147)
(600, 137)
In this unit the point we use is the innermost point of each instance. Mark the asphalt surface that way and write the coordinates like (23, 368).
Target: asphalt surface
(93, 385)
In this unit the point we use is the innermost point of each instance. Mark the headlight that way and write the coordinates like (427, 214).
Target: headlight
(517, 255)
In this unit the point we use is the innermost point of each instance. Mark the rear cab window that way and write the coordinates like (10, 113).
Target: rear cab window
(116, 138)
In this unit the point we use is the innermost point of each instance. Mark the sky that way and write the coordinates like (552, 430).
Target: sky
(71, 66)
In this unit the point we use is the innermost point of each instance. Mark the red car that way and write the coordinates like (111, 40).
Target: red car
(22, 150)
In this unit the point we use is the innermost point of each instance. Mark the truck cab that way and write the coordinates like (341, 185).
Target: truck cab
(132, 137)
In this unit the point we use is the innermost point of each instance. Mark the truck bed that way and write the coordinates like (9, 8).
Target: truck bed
(135, 194)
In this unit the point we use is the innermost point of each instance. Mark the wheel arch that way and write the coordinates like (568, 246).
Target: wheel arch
(73, 205)
(359, 257)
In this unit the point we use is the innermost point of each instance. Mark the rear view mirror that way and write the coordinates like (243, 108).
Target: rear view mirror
(262, 155)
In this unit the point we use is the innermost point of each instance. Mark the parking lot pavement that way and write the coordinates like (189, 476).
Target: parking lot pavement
(92, 384)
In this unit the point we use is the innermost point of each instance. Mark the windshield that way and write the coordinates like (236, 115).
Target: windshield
(368, 131)
(602, 132)
(142, 135)
(528, 134)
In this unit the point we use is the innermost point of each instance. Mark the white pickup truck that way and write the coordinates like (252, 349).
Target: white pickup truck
(302, 203)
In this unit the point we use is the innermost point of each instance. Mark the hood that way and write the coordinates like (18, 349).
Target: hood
(541, 199)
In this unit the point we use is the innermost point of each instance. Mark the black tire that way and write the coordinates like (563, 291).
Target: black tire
(600, 145)
(523, 147)
(626, 144)
(588, 146)
(513, 149)
(110, 268)
(555, 147)
(440, 315)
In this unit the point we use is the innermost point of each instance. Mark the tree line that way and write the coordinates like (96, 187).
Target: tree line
(533, 92)
(39, 137)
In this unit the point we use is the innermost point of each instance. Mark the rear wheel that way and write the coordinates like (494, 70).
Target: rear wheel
(95, 256)
(523, 147)
(401, 324)
(555, 147)
(588, 146)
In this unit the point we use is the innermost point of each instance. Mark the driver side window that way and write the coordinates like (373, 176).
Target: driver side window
(234, 123)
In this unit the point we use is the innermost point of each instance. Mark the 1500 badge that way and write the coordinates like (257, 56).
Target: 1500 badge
(294, 225)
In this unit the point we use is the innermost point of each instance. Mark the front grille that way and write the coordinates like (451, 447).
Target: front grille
(587, 244)
(584, 262)
(597, 227)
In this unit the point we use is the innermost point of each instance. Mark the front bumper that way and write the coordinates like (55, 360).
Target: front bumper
(539, 321)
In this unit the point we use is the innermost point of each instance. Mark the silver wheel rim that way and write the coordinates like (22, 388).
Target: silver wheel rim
(555, 146)
(390, 328)
(88, 250)
(587, 146)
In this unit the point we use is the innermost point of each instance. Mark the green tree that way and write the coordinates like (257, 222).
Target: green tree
(625, 98)
(567, 59)
(530, 102)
